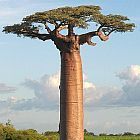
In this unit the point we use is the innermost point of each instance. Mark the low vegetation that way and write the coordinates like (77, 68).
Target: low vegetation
(8, 132)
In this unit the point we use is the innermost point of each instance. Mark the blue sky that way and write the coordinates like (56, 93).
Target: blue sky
(29, 74)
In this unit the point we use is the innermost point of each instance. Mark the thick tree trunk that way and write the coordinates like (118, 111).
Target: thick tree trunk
(71, 97)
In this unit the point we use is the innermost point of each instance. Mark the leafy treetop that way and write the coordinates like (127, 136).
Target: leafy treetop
(33, 26)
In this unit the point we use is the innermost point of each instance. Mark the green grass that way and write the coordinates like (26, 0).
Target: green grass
(103, 138)
(8, 132)
(112, 138)
(89, 137)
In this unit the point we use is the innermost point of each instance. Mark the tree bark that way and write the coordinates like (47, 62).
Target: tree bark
(71, 96)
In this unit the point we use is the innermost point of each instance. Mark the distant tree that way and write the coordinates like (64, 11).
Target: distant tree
(128, 134)
(91, 133)
(111, 134)
(85, 131)
(103, 134)
(9, 123)
(39, 25)
(88, 133)
(138, 134)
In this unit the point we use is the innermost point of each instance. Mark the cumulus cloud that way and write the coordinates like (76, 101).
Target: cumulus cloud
(97, 96)
(46, 92)
(130, 73)
(102, 96)
(127, 95)
(131, 86)
(5, 106)
(6, 89)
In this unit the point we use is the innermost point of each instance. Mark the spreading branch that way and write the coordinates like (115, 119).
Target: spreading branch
(47, 28)
(111, 32)
(26, 31)
(69, 18)
(62, 37)
(100, 27)
(42, 37)
(86, 38)
(60, 28)
(102, 36)
(56, 32)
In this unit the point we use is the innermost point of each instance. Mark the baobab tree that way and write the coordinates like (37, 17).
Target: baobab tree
(49, 25)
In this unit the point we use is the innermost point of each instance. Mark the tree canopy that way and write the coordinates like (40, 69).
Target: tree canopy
(39, 25)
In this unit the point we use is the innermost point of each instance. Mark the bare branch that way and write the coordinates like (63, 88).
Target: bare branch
(93, 33)
(102, 25)
(62, 37)
(111, 31)
(86, 38)
(102, 36)
(89, 42)
(42, 37)
(56, 32)
(70, 30)
(47, 28)
(56, 24)
(62, 28)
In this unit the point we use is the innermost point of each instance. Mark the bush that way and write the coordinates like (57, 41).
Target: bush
(8, 132)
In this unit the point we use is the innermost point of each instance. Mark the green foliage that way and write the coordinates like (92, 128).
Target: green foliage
(76, 16)
(113, 138)
(103, 134)
(79, 16)
(128, 134)
(48, 133)
(51, 135)
(9, 123)
(8, 132)
(86, 133)
(25, 29)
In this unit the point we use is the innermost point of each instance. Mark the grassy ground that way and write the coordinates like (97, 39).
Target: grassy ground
(8, 132)
(112, 138)
(102, 137)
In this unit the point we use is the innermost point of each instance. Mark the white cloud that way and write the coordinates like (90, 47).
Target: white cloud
(46, 99)
(6, 89)
(13, 99)
(131, 86)
(102, 96)
(121, 126)
(46, 92)
(127, 95)
(130, 73)
(3, 104)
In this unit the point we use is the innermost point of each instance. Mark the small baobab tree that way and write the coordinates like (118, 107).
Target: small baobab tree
(48, 25)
